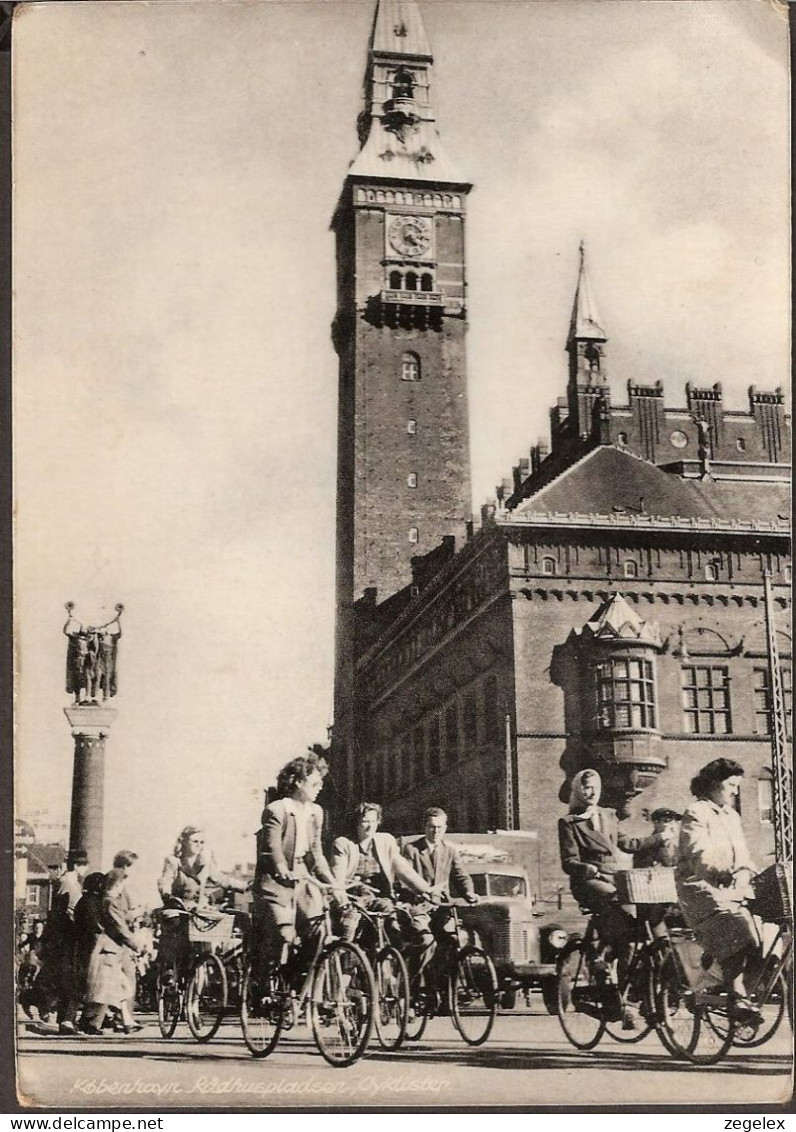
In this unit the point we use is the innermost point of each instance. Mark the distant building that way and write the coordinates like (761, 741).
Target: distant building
(38, 869)
(609, 610)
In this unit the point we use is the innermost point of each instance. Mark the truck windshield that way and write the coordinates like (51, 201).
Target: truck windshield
(502, 885)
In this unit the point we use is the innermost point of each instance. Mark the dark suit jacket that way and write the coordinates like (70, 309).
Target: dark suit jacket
(441, 868)
(582, 846)
(276, 845)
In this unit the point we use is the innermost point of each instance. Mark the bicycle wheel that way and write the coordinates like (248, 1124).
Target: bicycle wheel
(262, 1011)
(580, 1009)
(691, 1024)
(418, 1012)
(169, 1001)
(342, 1003)
(206, 999)
(750, 1036)
(392, 990)
(473, 995)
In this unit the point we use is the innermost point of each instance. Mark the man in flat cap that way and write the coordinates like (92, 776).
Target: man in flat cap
(661, 848)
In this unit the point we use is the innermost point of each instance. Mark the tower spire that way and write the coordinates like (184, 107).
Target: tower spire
(397, 127)
(588, 385)
(585, 322)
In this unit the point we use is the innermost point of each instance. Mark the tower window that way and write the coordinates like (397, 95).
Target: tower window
(396, 281)
(411, 479)
(410, 367)
(630, 569)
(548, 565)
(413, 534)
(411, 427)
(411, 281)
(740, 444)
(625, 693)
(711, 572)
(426, 282)
(706, 700)
(403, 85)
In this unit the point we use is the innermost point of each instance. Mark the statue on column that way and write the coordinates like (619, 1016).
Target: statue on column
(91, 658)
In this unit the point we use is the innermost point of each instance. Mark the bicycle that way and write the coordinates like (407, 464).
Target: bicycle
(469, 982)
(697, 1020)
(337, 992)
(195, 990)
(390, 974)
(592, 999)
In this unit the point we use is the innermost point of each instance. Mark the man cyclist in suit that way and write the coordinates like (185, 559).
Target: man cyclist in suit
(438, 862)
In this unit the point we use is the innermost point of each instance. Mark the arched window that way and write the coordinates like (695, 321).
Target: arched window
(548, 565)
(426, 282)
(740, 444)
(410, 367)
(403, 85)
(711, 572)
(623, 438)
(414, 534)
(411, 427)
(411, 479)
(411, 281)
(630, 568)
(396, 281)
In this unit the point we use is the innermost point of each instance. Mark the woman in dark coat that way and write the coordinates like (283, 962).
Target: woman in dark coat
(88, 929)
(589, 837)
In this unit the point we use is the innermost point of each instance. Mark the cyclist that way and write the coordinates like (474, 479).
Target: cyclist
(371, 865)
(589, 837)
(438, 863)
(286, 906)
(189, 879)
(713, 878)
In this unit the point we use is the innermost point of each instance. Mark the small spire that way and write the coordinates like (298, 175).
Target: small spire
(586, 321)
(398, 29)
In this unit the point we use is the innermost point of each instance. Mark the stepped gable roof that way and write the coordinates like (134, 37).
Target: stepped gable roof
(607, 480)
(615, 620)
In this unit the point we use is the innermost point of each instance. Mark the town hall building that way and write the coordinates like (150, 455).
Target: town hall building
(608, 608)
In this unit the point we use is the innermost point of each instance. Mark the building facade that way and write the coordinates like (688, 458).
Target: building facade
(608, 611)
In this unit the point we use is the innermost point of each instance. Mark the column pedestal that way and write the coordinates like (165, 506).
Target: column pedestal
(90, 725)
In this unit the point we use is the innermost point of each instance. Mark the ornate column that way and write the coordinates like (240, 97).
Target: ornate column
(91, 678)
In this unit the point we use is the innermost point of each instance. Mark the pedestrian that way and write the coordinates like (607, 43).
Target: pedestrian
(110, 978)
(88, 929)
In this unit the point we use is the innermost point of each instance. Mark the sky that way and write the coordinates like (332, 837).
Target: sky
(176, 167)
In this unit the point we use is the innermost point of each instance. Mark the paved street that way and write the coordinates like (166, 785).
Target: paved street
(526, 1061)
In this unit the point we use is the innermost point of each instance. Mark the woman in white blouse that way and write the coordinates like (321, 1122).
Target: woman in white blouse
(713, 876)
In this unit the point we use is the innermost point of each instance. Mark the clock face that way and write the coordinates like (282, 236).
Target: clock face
(410, 235)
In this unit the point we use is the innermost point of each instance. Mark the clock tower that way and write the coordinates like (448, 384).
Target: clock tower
(403, 447)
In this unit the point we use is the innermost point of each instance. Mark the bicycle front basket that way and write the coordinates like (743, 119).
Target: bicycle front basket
(646, 886)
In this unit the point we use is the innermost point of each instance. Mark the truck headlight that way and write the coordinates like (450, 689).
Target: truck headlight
(557, 938)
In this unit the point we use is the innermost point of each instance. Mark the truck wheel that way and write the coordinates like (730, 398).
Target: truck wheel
(550, 994)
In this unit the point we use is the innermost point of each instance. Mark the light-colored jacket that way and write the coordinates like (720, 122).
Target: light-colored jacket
(345, 862)
(712, 843)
